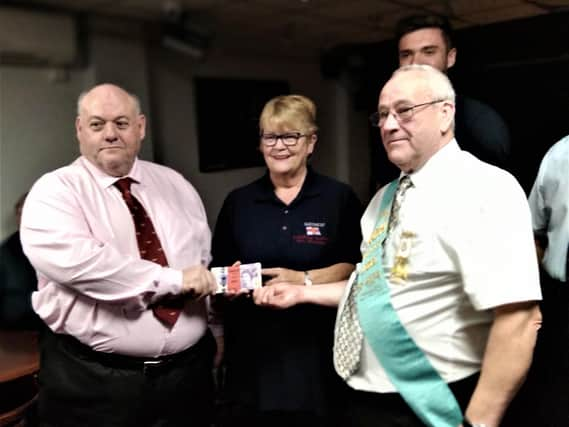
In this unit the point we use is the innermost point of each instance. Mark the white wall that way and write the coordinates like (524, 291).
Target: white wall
(36, 130)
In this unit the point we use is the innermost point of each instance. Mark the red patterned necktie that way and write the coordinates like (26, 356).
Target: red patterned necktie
(150, 249)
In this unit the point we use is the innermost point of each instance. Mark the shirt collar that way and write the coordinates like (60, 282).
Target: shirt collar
(436, 168)
(104, 180)
(309, 187)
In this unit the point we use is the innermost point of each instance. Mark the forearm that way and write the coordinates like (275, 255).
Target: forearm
(506, 361)
(75, 249)
(328, 294)
(332, 273)
(99, 271)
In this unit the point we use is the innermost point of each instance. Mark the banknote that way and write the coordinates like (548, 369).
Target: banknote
(236, 278)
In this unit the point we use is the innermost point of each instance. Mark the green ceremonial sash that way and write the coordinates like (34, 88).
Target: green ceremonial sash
(408, 368)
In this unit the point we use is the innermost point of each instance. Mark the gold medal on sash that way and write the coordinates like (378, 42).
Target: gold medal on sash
(399, 271)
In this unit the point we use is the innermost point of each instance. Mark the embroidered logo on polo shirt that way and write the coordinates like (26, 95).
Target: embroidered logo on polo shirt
(314, 233)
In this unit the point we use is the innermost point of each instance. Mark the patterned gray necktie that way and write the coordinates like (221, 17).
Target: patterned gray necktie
(404, 185)
(349, 337)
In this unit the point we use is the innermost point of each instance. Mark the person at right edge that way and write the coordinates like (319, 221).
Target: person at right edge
(549, 204)
(438, 323)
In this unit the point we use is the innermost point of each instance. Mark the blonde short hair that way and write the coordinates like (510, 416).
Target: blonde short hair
(289, 111)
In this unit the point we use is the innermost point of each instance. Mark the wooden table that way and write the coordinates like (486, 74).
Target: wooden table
(19, 362)
(19, 354)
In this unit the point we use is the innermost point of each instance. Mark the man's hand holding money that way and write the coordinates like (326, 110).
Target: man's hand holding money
(280, 295)
(198, 282)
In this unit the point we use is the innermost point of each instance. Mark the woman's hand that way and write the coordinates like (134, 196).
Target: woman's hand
(283, 275)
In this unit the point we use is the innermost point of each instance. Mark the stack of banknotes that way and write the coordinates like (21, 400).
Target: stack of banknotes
(238, 277)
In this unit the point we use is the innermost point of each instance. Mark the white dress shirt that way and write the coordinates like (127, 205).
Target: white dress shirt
(470, 248)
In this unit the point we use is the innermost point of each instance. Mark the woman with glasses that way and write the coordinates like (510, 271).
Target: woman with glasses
(303, 228)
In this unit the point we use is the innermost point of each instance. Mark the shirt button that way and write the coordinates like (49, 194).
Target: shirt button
(284, 227)
(286, 211)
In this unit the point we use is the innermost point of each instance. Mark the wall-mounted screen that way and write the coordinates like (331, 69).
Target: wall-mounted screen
(227, 120)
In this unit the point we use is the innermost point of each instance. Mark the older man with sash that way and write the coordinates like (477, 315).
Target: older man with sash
(437, 325)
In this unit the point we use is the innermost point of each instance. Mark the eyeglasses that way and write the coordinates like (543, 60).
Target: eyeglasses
(289, 139)
(401, 114)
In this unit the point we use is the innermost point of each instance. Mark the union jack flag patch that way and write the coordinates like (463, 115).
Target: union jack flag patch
(312, 231)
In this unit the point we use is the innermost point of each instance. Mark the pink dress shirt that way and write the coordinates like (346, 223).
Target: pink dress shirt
(78, 233)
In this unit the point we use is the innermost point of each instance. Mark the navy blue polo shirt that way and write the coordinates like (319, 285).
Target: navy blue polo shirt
(319, 228)
(282, 359)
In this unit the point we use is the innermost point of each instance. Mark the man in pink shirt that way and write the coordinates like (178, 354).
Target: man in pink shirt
(107, 357)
